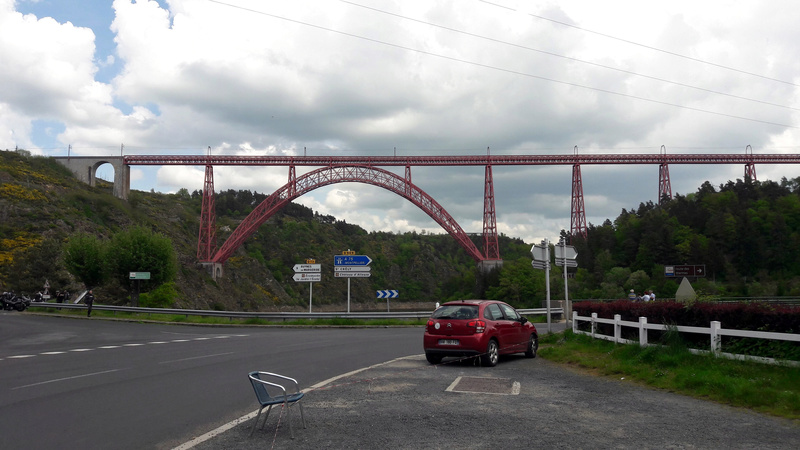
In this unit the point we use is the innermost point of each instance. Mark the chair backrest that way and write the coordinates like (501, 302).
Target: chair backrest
(261, 389)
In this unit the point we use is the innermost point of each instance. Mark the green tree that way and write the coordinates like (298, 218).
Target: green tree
(85, 260)
(139, 249)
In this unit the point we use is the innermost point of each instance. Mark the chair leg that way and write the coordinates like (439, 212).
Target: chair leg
(289, 419)
(256, 422)
(302, 416)
(266, 416)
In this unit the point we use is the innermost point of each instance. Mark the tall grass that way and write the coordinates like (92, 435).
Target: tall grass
(765, 388)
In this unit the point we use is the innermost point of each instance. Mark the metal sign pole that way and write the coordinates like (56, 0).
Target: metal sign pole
(310, 292)
(348, 296)
(546, 245)
(566, 287)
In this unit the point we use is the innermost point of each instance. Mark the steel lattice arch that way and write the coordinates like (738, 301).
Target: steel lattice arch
(298, 186)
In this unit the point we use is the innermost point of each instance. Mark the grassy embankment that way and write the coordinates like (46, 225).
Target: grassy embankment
(768, 389)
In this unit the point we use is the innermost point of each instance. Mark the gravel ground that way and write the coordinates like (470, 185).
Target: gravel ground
(521, 403)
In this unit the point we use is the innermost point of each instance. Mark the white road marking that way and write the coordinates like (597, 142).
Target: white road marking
(52, 353)
(81, 349)
(196, 357)
(65, 379)
(110, 346)
(20, 356)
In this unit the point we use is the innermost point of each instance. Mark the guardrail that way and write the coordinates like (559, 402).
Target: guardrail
(281, 316)
(714, 330)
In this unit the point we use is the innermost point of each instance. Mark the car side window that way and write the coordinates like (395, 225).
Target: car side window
(510, 313)
(492, 312)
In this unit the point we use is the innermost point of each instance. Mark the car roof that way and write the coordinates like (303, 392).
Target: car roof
(471, 302)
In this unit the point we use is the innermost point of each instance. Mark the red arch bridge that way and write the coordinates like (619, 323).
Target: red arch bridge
(368, 169)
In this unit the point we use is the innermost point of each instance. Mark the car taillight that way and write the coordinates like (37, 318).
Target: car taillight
(479, 325)
(430, 324)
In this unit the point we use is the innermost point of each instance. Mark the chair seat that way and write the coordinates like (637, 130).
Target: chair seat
(279, 399)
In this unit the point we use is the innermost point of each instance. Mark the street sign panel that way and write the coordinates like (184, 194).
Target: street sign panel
(685, 270)
(351, 274)
(539, 252)
(387, 293)
(140, 275)
(307, 277)
(307, 267)
(570, 262)
(351, 260)
(570, 250)
(541, 265)
(352, 268)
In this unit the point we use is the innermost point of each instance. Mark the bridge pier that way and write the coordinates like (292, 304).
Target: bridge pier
(85, 169)
(488, 265)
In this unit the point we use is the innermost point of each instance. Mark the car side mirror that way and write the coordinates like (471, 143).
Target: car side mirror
(523, 320)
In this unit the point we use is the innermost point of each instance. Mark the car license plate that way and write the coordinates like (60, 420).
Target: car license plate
(448, 341)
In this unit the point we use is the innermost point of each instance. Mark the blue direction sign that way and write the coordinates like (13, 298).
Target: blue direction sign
(387, 293)
(351, 260)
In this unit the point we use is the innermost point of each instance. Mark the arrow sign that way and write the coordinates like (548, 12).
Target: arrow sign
(539, 253)
(570, 250)
(387, 293)
(351, 260)
(307, 277)
(307, 268)
(352, 268)
(351, 274)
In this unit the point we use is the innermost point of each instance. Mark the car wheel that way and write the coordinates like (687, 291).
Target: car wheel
(433, 359)
(492, 354)
(20, 306)
(533, 347)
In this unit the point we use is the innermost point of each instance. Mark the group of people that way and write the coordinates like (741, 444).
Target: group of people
(649, 296)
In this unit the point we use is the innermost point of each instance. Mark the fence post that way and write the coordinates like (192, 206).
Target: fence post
(716, 341)
(594, 324)
(642, 331)
(617, 328)
(574, 321)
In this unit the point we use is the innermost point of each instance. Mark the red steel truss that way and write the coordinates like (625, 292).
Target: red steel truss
(495, 160)
(325, 176)
(207, 241)
(490, 245)
(578, 214)
(664, 186)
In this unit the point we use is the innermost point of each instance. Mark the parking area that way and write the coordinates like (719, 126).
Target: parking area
(408, 403)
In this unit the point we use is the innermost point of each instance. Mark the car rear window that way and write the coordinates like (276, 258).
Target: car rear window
(464, 312)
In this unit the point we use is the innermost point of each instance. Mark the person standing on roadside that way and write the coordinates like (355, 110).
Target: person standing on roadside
(646, 296)
(632, 296)
(652, 296)
(89, 300)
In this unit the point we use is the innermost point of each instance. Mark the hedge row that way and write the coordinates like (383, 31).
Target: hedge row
(740, 316)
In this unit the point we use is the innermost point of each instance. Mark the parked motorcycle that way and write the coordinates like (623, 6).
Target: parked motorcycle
(11, 301)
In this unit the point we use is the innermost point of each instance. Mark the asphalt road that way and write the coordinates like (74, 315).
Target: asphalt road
(88, 383)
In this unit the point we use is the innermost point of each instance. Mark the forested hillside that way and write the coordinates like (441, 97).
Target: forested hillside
(747, 234)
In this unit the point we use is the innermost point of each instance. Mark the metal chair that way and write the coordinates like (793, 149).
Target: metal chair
(273, 392)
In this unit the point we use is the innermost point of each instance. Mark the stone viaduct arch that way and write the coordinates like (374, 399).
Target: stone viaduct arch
(298, 186)
(85, 168)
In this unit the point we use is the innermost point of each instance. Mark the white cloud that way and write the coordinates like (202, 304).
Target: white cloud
(275, 77)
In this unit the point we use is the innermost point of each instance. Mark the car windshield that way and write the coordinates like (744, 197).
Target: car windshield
(456, 312)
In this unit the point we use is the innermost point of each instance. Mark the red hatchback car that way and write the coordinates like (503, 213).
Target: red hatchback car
(484, 328)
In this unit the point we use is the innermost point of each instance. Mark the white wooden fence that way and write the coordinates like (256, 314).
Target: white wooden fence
(715, 332)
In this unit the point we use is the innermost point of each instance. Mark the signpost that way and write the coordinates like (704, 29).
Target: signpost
(686, 270)
(387, 294)
(349, 265)
(541, 261)
(567, 253)
(309, 272)
(137, 276)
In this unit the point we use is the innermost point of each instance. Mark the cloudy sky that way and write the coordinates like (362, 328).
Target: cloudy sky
(383, 77)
